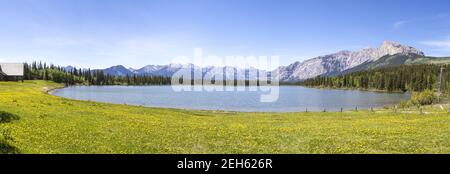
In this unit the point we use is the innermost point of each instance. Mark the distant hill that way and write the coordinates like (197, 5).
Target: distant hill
(118, 70)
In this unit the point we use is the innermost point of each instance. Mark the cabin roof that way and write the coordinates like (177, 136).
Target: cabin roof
(11, 69)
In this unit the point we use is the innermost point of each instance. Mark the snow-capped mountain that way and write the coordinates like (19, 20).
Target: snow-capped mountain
(118, 70)
(162, 70)
(331, 64)
(336, 63)
(171, 69)
(155, 70)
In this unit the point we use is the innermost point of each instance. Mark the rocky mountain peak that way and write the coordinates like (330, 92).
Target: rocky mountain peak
(392, 48)
(341, 61)
(389, 43)
(330, 64)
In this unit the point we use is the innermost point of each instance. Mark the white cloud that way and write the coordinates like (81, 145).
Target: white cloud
(399, 24)
(443, 45)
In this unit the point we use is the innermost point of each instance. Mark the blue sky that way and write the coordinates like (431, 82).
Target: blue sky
(102, 33)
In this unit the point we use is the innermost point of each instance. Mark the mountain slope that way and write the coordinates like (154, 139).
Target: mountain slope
(171, 69)
(118, 70)
(337, 63)
(397, 60)
(388, 54)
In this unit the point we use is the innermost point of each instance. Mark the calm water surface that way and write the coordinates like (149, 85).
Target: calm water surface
(291, 98)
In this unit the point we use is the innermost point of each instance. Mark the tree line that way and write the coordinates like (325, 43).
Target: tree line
(72, 76)
(402, 78)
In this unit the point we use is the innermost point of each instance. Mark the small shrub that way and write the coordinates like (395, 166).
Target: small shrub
(405, 104)
(6, 117)
(426, 97)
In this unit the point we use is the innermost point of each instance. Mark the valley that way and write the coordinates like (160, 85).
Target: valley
(36, 122)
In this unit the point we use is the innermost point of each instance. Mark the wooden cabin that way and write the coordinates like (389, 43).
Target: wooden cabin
(11, 71)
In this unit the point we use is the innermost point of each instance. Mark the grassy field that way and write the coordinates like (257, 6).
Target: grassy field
(32, 121)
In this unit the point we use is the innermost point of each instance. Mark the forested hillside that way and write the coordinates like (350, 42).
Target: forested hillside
(42, 71)
(73, 76)
(401, 78)
(398, 60)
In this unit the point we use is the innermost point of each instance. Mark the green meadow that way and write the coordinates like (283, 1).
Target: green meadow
(32, 121)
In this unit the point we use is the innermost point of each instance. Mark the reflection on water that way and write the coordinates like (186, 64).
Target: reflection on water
(291, 99)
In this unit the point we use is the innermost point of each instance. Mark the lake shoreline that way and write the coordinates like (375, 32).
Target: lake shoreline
(283, 84)
(277, 107)
(354, 89)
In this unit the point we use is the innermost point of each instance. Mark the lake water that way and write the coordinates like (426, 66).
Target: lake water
(291, 98)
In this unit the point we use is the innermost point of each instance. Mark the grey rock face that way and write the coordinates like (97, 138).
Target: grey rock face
(323, 65)
(341, 61)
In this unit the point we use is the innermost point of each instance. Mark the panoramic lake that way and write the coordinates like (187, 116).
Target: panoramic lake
(291, 98)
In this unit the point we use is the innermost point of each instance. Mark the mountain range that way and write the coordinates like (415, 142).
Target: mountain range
(171, 69)
(388, 54)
